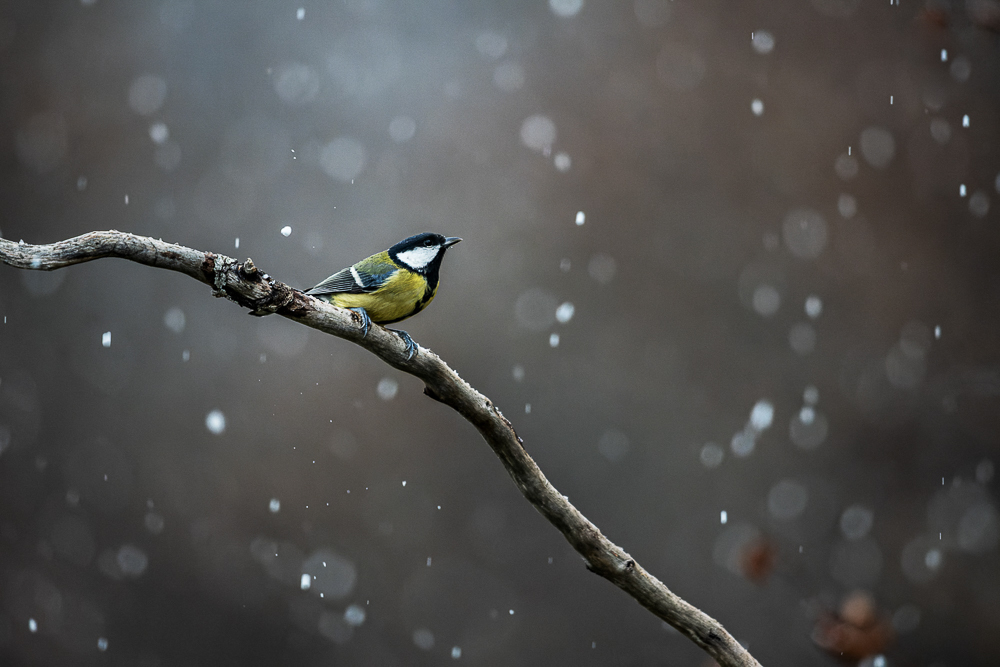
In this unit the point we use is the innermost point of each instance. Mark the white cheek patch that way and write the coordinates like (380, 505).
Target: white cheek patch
(418, 258)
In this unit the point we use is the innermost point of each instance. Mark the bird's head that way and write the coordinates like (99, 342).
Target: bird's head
(422, 253)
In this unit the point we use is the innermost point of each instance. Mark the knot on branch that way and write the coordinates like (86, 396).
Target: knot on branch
(609, 566)
(249, 270)
(247, 285)
(278, 296)
(220, 278)
(711, 638)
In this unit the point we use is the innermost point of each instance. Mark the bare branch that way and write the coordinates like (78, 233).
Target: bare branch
(250, 288)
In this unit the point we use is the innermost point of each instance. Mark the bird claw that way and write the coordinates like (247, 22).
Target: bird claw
(366, 322)
(411, 347)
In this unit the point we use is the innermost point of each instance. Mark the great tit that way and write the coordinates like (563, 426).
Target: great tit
(391, 285)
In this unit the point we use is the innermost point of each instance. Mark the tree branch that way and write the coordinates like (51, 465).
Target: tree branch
(250, 288)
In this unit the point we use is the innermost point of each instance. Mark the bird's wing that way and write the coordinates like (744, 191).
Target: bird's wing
(366, 276)
(338, 283)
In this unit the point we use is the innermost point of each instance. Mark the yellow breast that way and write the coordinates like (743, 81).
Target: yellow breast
(402, 295)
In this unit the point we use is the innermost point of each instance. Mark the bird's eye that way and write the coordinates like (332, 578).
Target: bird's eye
(428, 243)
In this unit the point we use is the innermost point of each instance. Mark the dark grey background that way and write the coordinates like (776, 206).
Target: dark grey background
(123, 518)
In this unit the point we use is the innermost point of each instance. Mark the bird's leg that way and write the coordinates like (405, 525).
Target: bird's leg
(411, 347)
(366, 322)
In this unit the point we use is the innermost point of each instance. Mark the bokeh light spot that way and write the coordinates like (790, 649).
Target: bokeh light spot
(132, 561)
(940, 130)
(978, 529)
(602, 268)
(961, 68)
(538, 132)
(354, 615)
(979, 204)
(847, 206)
(343, 159)
(743, 443)
(846, 166)
(147, 93)
(215, 422)
(535, 309)
(174, 320)
(613, 445)
(787, 500)
(565, 8)
(423, 638)
(159, 132)
(711, 455)
(491, 45)
(296, 84)
(154, 522)
(508, 76)
(564, 313)
(856, 521)
(877, 146)
(813, 306)
(805, 234)
(763, 42)
(402, 128)
(387, 389)
(762, 415)
(766, 300)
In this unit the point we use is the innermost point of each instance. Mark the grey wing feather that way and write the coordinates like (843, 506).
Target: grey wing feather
(343, 282)
(338, 283)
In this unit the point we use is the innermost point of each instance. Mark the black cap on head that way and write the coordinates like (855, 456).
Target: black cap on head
(424, 239)
(422, 252)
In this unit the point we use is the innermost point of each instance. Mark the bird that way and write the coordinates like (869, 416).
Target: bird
(392, 285)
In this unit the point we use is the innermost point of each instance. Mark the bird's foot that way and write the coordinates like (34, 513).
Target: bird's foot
(366, 322)
(411, 347)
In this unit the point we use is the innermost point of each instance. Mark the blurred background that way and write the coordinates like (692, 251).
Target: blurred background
(730, 268)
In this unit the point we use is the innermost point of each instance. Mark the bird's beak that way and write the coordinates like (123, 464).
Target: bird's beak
(450, 241)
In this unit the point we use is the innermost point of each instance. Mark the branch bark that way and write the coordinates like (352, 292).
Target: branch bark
(245, 284)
